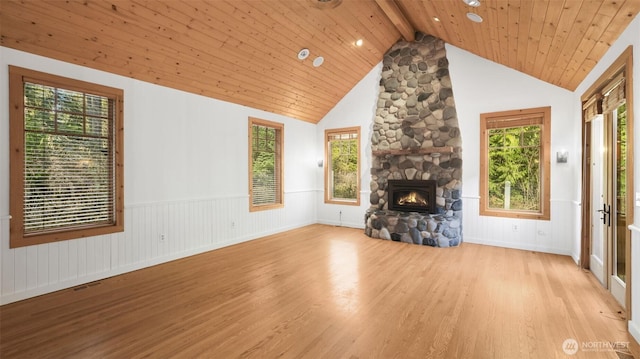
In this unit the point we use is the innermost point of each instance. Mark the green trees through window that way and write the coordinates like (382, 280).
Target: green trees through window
(264, 164)
(514, 163)
(514, 168)
(342, 175)
(621, 158)
(265, 174)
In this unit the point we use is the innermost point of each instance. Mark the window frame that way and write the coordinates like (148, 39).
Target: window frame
(327, 165)
(17, 77)
(514, 118)
(279, 128)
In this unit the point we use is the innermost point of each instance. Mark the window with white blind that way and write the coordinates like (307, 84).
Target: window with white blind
(515, 163)
(265, 164)
(66, 158)
(342, 166)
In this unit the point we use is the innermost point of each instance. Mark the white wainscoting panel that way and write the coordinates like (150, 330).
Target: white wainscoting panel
(555, 236)
(634, 323)
(189, 227)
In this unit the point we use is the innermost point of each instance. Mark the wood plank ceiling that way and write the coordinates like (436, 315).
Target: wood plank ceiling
(245, 51)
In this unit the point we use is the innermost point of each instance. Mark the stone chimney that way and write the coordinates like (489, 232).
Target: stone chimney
(416, 136)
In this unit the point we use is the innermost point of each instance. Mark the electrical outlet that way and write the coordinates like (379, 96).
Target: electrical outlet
(515, 227)
(541, 233)
(162, 237)
(637, 199)
(233, 224)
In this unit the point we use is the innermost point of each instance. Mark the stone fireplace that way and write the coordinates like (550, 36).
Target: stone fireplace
(416, 174)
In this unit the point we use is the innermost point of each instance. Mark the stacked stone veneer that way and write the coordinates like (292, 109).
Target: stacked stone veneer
(416, 136)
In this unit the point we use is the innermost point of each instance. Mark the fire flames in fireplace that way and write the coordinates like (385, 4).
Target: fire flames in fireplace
(412, 198)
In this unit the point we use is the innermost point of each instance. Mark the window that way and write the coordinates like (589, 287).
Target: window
(265, 164)
(514, 163)
(342, 166)
(66, 158)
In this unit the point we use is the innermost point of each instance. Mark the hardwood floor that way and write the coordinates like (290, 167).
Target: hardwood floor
(327, 292)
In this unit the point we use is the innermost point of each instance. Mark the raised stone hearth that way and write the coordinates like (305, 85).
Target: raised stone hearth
(417, 228)
(416, 137)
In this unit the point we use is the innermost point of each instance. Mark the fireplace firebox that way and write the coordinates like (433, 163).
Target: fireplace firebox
(412, 195)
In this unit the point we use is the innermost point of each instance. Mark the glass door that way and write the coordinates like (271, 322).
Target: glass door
(598, 190)
(608, 179)
(618, 204)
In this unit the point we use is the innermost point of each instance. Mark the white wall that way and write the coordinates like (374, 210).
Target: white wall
(480, 86)
(185, 176)
(357, 108)
(628, 38)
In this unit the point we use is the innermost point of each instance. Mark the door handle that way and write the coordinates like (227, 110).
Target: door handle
(606, 214)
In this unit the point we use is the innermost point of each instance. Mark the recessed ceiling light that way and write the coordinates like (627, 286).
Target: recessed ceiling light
(359, 42)
(303, 54)
(325, 4)
(436, 19)
(474, 3)
(474, 17)
(318, 61)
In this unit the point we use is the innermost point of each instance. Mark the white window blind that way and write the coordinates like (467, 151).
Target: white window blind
(68, 159)
(265, 153)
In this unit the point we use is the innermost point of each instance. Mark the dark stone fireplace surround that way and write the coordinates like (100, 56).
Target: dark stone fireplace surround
(412, 195)
(415, 136)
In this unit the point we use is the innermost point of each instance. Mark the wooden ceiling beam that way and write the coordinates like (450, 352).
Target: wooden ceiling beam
(397, 17)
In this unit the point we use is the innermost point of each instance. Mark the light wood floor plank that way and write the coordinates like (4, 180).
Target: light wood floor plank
(326, 292)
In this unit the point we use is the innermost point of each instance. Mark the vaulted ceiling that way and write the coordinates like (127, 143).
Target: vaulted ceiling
(245, 51)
